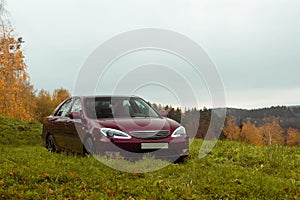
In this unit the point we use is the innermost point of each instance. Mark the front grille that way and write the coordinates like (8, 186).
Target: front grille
(150, 134)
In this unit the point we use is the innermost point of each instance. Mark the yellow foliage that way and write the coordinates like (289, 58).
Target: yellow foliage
(272, 131)
(293, 137)
(59, 95)
(17, 97)
(268, 133)
(251, 134)
(16, 94)
(231, 130)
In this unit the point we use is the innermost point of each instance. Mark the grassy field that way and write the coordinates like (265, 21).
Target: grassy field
(231, 171)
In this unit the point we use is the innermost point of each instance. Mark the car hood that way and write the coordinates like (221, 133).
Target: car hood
(129, 125)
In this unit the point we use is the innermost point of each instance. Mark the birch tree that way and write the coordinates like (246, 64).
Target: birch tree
(16, 94)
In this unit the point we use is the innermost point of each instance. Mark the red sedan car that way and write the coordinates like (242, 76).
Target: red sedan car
(115, 126)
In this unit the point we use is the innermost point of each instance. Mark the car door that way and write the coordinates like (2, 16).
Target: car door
(74, 129)
(59, 121)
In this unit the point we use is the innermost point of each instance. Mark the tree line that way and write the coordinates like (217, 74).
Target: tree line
(256, 131)
(267, 133)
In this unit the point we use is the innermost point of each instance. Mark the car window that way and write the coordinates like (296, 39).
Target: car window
(76, 106)
(118, 107)
(127, 106)
(64, 110)
(142, 108)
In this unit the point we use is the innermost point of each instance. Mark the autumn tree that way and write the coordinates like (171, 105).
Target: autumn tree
(250, 134)
(44, 104)
(59, 95)
(272, 131)
(16, 93)
(293, 137)
(231, 130)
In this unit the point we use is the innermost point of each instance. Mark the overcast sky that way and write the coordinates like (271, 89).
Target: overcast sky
(254, 44)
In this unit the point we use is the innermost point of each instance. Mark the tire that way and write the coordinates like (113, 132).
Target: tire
(89, 147)
(50, 145)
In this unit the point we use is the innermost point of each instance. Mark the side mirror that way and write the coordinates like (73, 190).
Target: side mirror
(163, 113)
(74, 115)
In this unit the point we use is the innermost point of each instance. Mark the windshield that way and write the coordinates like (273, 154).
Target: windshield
(118, 107)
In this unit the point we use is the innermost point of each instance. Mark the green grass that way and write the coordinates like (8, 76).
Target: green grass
(14, 132)
(231, 171)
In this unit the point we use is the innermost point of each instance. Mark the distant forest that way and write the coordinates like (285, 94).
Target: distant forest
(288, 116)
(265, 126)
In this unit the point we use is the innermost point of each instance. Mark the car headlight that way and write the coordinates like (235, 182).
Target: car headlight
(180, 131)
(114, 133)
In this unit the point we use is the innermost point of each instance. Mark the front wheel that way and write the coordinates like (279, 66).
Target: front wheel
(50, 145)
(89, 147)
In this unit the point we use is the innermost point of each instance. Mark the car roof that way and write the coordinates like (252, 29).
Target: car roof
(107, 96)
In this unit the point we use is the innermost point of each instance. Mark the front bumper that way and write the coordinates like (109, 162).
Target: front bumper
(132, 149)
